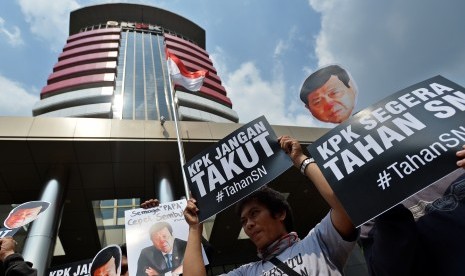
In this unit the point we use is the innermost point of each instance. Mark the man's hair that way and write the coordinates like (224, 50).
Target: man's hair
(273, 200)
(320, 77)
(160, 225)
(104, 256)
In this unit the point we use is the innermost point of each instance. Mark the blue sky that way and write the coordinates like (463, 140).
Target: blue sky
(263, 49)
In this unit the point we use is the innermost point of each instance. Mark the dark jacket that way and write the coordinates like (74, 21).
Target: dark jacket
(152, 257)
(14, 265)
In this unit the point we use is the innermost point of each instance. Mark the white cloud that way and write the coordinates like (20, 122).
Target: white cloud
(49, 21)
(389, 45)
(13, 36)
(23, 101)
(253, 96)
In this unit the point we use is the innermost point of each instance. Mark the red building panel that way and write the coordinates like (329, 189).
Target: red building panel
(104, 47)
(94, 33)
(185, 42)
(92, 40)
(82, 70)
(78, 83)
(84, 59)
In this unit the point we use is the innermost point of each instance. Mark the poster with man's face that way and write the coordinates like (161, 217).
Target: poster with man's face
(329, 94)
(107, 262)
(156, 239)
(25, 213)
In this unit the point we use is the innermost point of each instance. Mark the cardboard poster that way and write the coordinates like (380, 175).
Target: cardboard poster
(107, 262)
(395, 148)
(329, 94)
(79, 268)
(5, 232)
(25, 213)
(156, 239)
(235, 166)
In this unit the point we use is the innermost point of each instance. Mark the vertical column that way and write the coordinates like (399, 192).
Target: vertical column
(41, 237)
(163, 185)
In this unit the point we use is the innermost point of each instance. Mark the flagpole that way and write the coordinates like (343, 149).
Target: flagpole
(178, 135)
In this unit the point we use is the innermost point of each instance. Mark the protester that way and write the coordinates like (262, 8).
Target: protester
(165, 255)
(267, 219)
(329, 94)
(13, 263)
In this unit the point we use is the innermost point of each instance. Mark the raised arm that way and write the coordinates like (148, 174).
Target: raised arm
(339, 217)
(193, 262)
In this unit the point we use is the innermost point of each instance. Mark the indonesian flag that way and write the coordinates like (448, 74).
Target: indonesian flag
(181, 76)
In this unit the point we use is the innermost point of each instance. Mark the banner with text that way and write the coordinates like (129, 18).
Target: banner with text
(152, 233)
(234, 167)
(79, 268)
(6, 232)
(395, 148)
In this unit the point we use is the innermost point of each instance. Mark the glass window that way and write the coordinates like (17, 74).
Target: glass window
(128, 97)
(105, 203)
(107, 213)
(124, 202)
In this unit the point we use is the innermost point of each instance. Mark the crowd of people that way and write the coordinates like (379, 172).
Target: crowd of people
(398, 246)
(405, 240)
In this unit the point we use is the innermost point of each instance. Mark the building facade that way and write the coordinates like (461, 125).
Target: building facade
(114, 66)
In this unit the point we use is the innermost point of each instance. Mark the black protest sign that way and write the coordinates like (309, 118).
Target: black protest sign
(395, 148)
(79, 268)
(234, 167)
(6, 232)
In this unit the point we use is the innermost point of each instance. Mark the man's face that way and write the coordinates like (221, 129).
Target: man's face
(108, 269)
(163, 240)
(333, 102)
(22, 217)
(261, 227)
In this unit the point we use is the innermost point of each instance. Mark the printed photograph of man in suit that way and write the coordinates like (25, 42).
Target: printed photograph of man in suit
(165, 255)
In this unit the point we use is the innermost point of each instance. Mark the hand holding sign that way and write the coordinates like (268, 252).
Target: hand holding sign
(234, 167)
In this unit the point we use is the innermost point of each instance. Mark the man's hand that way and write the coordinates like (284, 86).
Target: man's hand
(461, 154)
(190, 213)
(151, 272)
(292, 148)
(150, 203)
(7, 247)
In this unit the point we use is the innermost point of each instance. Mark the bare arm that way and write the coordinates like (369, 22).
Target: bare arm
(193, 262)
(339, 217)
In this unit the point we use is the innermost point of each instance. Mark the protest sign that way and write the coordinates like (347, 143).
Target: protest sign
(79, 268)
(153, 232)
(5, 232)
(235, 166)
(329, 94)
(107, 261)
(397, 147)
(25, 213)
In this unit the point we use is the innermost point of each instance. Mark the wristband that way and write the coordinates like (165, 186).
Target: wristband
(305, 163)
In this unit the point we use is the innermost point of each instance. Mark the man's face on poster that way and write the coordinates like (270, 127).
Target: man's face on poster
(107, 269)
(333, 102)
(21, 217)
(163, 240)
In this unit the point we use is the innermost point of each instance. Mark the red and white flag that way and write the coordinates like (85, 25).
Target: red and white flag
(182, 76)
